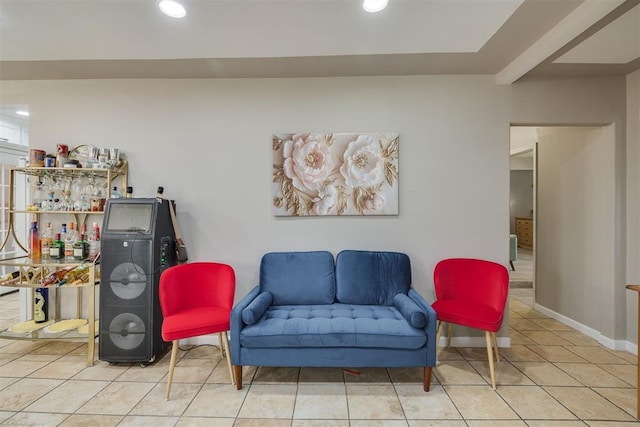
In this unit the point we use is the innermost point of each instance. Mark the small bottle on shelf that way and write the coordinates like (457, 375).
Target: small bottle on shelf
(34, 242)
(129, 192)
(69, 240)
(46, 240)
(40, 305)
(94, 242)
(115, 194)
(56, 250)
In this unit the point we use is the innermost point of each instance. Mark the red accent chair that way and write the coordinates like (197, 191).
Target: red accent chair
(196, 299)
(472, 293)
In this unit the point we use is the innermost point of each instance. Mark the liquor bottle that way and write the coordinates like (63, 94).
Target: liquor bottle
(34, 241)
(40, 305)
(115, 194)
(9, 278)
(94, 242)
(69, 240)
(46, 240)
(63, 233)
(56, 250)
(56, 276)
(76, 275)
(80, 248)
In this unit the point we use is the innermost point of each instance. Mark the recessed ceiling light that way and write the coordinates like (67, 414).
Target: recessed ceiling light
(172, 8)
(22, 113)
(374, 5)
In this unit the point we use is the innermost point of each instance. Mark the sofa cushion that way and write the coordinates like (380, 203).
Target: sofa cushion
(364, 277)
(254, 311)
(298, 277)
(334, 325)
(410, 310)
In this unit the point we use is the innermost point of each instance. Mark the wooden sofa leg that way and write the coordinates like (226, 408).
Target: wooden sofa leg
(427, 378)
(238, 374)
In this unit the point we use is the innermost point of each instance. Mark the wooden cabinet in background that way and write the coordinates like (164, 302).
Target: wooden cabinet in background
(524, 231)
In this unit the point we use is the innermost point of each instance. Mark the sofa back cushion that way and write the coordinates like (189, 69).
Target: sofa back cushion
(365, 277)
(298, 277)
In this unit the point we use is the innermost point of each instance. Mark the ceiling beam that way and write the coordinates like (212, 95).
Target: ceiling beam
(581, 19)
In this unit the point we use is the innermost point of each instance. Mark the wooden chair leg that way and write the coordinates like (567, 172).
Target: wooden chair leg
(427, 378)
(449, 335)
(220, 344)
(495, 345)
(487, 335)
(225, 342)
(172, 364)
(238, 372)
(439, 332)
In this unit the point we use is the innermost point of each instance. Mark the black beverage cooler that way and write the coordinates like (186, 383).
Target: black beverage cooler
(137, 245)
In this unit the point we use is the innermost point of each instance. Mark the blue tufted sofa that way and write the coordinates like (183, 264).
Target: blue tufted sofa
(359, 312)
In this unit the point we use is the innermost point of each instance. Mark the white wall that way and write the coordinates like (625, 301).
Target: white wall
(575, 223)
(633, 201)
(208, 142)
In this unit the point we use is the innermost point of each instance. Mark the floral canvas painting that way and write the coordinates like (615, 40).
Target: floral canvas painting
(318, 174)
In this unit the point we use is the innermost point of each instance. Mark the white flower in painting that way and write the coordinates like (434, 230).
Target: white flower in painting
(374, 203)
(325, 203)
(363, 165)
(307, 161)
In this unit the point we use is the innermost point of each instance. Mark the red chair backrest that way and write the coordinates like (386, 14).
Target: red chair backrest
(197, 284)
(472, 280)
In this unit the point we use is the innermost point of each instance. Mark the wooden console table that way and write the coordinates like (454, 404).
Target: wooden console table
(636, 288)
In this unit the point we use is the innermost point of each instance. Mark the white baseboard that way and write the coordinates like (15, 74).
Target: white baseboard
(201, 340)
(473, 342)
(623, 345)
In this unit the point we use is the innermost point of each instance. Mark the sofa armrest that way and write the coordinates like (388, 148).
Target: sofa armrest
(430, 329)
(256, 308)
(410, 311)
(237, 323)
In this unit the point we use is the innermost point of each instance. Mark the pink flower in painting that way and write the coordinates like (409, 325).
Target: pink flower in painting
(374, 203)
(325, 203)
(363, 165)
(307, 161)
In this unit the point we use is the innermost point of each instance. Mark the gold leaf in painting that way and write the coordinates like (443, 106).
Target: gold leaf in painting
(278, 173)
(342, 201)
(328, 139)
(390, 173)
(391, 150)
(276, 143)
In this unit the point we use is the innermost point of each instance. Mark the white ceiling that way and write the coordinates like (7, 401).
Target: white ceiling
(62, 39)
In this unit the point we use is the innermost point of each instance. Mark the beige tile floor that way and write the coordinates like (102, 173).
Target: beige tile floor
(551, 376)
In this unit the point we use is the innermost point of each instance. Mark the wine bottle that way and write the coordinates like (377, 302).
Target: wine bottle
(40, 305)
(56, 276)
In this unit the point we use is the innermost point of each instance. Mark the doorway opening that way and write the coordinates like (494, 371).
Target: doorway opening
(522, 212)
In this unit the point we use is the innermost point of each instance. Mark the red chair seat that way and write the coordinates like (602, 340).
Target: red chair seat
(195, 322)
(469, 313)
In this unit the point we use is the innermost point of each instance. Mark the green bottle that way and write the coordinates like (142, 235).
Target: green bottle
(56, 250)
(81, 248)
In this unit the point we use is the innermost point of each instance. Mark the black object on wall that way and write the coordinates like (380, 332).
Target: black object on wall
(137, 245)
